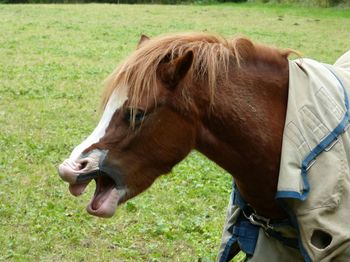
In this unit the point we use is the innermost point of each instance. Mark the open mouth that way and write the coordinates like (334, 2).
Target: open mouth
(106, 197)
(104, 186)
(80, 173)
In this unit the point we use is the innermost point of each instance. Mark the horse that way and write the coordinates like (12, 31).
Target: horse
(226, 98)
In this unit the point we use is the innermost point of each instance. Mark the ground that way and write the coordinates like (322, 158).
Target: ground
(54, 59)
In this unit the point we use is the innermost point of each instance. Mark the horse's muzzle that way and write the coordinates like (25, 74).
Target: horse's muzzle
(89, 166)
(71, 169)
(110, 189)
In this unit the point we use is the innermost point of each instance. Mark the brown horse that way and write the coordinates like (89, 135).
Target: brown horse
(177, 93)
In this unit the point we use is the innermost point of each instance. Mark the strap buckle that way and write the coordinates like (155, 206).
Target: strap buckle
(257, 220)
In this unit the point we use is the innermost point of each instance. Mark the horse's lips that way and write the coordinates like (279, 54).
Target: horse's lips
(105, 205)
(106, 197)
(102, 204)
(77, 189)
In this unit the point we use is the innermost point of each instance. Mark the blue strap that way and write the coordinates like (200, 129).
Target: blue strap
(226, 255)
(289, 242)
(243, 233)
(246, 234)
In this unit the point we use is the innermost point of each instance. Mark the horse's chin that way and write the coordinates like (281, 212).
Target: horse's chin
(105, 199)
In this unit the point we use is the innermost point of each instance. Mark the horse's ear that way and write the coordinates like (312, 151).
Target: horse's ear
(143, 39)
(173, 71)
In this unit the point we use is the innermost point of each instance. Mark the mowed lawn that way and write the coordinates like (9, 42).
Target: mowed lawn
(53, 60)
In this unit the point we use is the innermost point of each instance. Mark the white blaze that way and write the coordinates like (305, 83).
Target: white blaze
(117, 99)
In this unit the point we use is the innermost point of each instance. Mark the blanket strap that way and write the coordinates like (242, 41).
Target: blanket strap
(268, 226)
(245, 231)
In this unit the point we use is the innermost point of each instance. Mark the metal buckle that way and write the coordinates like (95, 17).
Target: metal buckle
(258, 220)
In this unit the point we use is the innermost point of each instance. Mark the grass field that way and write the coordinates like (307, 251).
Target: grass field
(53, 59)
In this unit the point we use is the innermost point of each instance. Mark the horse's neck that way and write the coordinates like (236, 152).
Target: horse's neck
(243, 132)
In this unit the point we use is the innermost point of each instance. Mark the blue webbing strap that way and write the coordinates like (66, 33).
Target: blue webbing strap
(289, 242)
(246, 234)
(227, 254)
(243, 232)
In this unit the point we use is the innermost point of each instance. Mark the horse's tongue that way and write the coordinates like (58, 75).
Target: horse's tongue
(77, 189)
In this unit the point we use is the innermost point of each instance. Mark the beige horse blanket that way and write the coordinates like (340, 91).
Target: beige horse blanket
(314, 180)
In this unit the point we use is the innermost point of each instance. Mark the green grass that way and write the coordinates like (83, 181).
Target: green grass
(53, 61)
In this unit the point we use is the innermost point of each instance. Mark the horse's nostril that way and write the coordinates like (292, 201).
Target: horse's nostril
(83, 164)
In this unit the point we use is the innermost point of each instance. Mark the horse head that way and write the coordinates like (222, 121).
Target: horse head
(142, 134)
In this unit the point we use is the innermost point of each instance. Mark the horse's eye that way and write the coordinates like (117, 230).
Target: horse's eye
(139, 115)
(134, 116)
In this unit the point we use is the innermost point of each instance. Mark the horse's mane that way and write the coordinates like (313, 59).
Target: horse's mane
(211, 56)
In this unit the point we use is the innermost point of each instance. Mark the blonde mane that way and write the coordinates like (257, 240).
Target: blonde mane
(211, 56)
